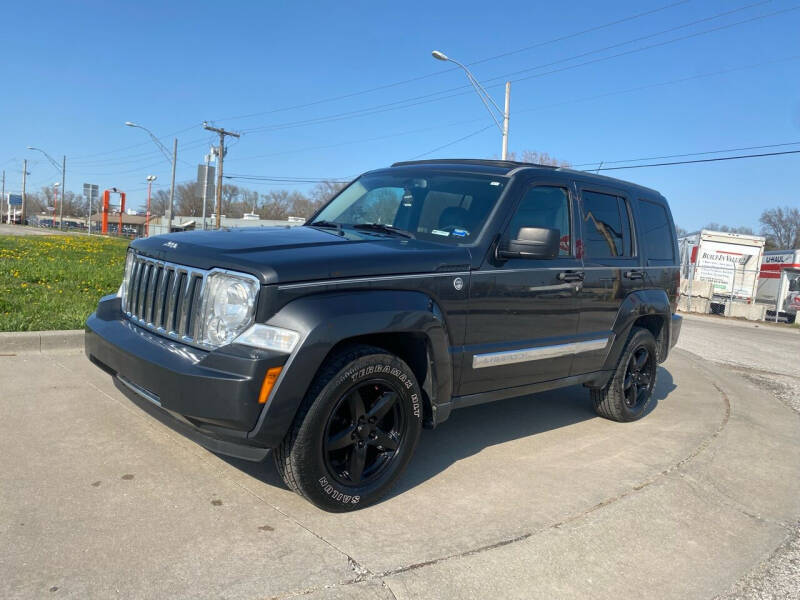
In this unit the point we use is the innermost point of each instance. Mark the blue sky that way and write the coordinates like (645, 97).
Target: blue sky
(74, 72)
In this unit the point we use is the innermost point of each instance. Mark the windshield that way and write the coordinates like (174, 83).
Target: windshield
(440, 207)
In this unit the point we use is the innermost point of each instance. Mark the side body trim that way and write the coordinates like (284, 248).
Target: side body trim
(510, 357)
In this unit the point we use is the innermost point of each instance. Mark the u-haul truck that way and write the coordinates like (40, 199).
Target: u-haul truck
(779, 282)
(730, 262)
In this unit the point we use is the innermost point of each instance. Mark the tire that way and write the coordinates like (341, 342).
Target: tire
(629, 393)
(355, 431)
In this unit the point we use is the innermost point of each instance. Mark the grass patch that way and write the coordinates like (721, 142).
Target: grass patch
(54, 282)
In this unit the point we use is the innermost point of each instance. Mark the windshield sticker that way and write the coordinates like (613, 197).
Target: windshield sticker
(460, 232)
(440, 232)
(495, 183)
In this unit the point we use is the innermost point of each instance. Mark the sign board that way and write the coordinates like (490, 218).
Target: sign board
(731, 268)
(90, 190)
(14, 199)
(200, 170)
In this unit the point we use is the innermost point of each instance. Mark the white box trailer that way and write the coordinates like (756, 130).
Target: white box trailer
(779, 282)
(729, 262)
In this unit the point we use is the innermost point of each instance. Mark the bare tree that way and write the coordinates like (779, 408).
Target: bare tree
(728, 229)
(159, 200)
(537, 158)
(232, 206)
(781, 225)
(325, 190)
(189, 199)
(275, 205)
(680, 231)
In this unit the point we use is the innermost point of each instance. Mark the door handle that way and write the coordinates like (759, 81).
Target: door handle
(634, 274)
(571, 276)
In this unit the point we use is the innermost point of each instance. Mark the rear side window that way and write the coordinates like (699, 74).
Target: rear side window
(607, 226)
(655, 231)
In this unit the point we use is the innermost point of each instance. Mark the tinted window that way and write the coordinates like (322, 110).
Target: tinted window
(655, 231)
(544, 206)
(607, 228)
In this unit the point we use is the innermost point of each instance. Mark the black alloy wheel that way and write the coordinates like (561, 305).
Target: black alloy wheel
(629, 393)
(354, 432)
(364, 433)
(639, 377)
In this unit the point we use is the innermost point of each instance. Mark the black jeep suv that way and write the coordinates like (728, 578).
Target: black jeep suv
(418, 289)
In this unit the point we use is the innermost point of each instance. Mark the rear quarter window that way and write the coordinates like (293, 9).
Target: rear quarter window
(655, 231)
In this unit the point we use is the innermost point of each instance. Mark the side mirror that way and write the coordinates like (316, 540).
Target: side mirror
(532, 242)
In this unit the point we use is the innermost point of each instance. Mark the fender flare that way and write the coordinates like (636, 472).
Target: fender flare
(639, 304)
(327, 319)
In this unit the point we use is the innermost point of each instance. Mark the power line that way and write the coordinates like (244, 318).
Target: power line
(612, 162)
(642, 38)
(408, 103)
(465, 89)
(442, 72)
(461, 139)
(701, 160)
(277, 179)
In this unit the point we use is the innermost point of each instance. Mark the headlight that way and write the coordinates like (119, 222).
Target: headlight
(269, 338)
(228, 305)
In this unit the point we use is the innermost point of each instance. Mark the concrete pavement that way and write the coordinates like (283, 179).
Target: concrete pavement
(527, 498)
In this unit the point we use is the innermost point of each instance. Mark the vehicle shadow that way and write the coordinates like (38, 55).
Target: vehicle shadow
(470, 430)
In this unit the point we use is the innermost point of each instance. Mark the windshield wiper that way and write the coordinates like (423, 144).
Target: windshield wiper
(327, 225)
(383, 228)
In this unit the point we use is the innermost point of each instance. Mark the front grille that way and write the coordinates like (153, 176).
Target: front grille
(165, 297)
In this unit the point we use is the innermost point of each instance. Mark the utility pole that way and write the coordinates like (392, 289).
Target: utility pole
(3, 195)
(506, 116)
(24, 174)
(221, 154)
(172, 186)
(63, 192)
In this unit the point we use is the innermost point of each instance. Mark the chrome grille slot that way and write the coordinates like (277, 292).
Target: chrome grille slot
(165, 297)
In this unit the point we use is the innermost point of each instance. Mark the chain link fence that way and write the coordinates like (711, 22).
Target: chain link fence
(733, 291)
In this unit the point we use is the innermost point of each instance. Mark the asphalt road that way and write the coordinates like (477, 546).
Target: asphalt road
(528, 498)
(6, 229)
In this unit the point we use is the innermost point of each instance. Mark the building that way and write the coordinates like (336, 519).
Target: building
(132, 225)
(158, 225)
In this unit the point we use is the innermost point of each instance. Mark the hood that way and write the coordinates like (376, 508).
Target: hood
(295, 254)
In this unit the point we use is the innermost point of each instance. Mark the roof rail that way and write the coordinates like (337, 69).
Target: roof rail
(509, 164)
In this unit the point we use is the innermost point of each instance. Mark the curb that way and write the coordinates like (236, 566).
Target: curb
(19, 342)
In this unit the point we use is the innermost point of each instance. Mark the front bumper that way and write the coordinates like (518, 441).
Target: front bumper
(211, 397)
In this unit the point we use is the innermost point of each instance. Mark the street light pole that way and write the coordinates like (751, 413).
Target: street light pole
(506, 116)
(150, 180)
(486, 99)
(55, 201)
(63, 170)
(63, 193)
(173, 160)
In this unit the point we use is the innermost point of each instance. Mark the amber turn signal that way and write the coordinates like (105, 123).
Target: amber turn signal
(269, 382)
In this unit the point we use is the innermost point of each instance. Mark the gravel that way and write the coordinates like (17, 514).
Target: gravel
(768, 357)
